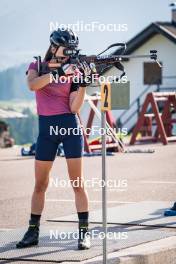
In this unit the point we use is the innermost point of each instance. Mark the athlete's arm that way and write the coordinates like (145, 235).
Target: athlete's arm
(77, 99)
(36, 82)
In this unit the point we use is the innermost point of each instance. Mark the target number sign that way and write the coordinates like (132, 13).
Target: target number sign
(115, 96)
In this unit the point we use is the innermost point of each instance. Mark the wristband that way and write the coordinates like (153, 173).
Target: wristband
(84, 81)
(58, 72)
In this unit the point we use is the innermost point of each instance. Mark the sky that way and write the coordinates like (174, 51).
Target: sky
(25, 25)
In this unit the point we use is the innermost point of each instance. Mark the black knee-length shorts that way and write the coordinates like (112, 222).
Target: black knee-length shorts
(56, 129)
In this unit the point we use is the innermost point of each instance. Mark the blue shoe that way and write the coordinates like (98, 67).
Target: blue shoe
(171, 211)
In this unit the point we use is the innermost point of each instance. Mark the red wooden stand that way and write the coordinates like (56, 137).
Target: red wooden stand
(163, 120)
(114, 143)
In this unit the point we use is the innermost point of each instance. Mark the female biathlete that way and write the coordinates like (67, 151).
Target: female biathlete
(58, 105)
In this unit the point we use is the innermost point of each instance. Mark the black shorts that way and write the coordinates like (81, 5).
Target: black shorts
(56, 129)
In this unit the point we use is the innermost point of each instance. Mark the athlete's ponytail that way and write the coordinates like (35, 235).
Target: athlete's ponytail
(48, 55)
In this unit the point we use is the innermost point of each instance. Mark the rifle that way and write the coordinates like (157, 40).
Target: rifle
(102, 61)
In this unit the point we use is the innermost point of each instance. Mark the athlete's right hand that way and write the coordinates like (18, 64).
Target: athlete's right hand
(64, 70)
(69, 69)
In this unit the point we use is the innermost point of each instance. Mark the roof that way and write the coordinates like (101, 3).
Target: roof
(167, 29)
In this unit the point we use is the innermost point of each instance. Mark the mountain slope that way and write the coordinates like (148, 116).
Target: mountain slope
(13, 84)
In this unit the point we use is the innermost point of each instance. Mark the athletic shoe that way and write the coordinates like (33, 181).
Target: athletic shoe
(84, 243)
(31, 237)
(171, 211)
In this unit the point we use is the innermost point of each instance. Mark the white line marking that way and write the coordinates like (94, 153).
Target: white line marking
(5, 229)
(94, 201)
(110, 190)
(160, 182)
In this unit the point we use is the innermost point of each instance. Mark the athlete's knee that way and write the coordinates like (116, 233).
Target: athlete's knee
(78, 189)
(41, 187)
(78, 186)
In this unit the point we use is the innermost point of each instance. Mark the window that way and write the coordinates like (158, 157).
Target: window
(152, 73)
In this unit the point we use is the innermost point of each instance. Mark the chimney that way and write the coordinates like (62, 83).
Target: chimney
(173, 10)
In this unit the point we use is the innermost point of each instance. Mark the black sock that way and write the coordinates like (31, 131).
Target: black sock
(83, 223)
(35, 220)
(83, 217)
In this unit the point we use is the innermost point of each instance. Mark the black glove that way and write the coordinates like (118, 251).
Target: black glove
(64, 70)
(57, 72)
(87, 71)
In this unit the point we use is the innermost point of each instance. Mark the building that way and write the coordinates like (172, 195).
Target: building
(160, 36)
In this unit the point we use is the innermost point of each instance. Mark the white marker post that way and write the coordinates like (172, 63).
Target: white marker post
(104, 190)
(113, 96)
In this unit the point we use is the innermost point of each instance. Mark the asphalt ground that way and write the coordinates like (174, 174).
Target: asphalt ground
(133, 177)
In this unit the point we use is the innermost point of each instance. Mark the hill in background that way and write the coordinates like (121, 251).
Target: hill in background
(13, 84)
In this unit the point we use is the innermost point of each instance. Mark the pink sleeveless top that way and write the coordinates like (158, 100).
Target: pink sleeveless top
(52, 99)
